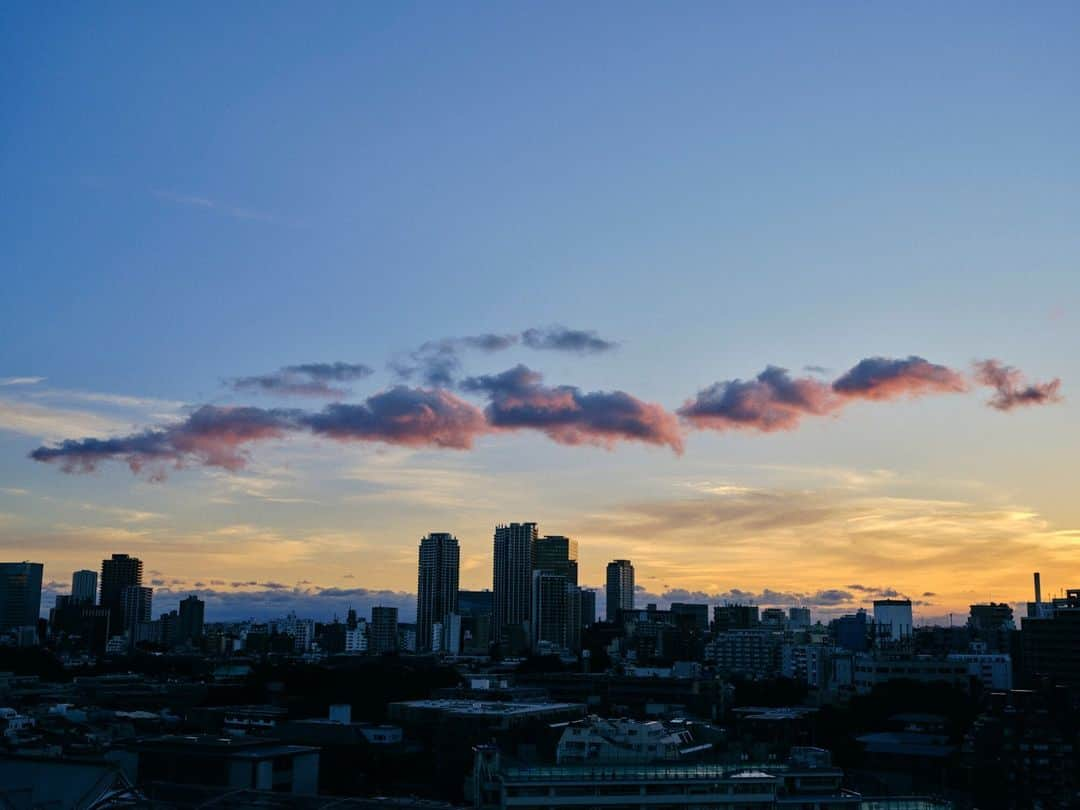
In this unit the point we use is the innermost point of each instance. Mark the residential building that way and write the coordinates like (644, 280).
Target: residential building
(620, 588)
(437, 585)
(191, 615)
(512, 578)
(118, 572)
(137, 606)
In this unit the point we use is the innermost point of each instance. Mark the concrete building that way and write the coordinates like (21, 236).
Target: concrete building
(512, 578)
(992, 625)
(383, 634)
(892, 620)
(356, 638)
(734, 616)
(437, 585)
(588, 606)
(746, 652)
(992, 670)
(620, 588)
(872, 669)
(698, 614)
(599, 740)
(84, 585)
(556, 600)
(239, 763)
(20, 599)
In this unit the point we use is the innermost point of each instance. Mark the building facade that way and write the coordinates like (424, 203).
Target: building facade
(20, 596)
(437, 585)
(512, 578)
(620, 588)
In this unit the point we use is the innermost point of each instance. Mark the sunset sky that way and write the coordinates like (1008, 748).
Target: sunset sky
(781, 303)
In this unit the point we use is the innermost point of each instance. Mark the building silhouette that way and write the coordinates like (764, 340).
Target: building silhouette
(137, 602)
(437, 586)
(384, 629)
(84, 585)
(20, 597)
(190, 620)
(117, 573)
(620, 588)
(512, 579)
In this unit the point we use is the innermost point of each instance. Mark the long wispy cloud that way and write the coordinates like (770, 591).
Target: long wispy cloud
(518, 399)
(774, 400)
(305, 379)
(216, 436)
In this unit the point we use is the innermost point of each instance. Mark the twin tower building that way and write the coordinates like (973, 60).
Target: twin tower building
(536, 603)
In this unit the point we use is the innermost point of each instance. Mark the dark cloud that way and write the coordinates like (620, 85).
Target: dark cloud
(1011, 389)
(559, 338)
(216, 436)
(774, 400)
(771, 401)
(305, 379)
(157, 582)
(518, 400)
(885, 378)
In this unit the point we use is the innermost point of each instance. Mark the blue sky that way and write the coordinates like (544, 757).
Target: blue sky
(203, 193)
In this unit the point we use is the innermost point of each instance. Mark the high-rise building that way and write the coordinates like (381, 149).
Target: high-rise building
(20, 596)
(437, 585)
(192, 614)
(383, 631)
(735, 616)
(118, 573)
(551, 614)
(137, 603)
(475, 603)
(84, 587)
(556, 558)
(620, 588)
(512, 576)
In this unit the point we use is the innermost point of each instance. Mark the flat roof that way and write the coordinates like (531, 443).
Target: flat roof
(478, 707)
(633, 773)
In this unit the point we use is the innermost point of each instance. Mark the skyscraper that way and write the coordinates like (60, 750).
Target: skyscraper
(190, 624)
(620, 588)
(437, 585)
(118, 573)
(83, 587)
(512, 576)
(20, 595)
(556, 602)
(588, 606)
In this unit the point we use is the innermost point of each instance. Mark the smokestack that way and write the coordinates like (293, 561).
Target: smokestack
(1038, 589)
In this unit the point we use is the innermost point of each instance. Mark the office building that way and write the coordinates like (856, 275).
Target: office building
(476, 603)
(620, 588)
(20, 598)
(512, 577)
(735, 617)
(696, 614)
(383, 632)
(1051, 645)
(798, 617)
(437, 585)
(117, 573)
(84, 587)
(190, 620)
(137, 603)
(892, 619)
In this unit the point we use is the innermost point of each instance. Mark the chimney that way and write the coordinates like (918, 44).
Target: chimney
(1038, 589)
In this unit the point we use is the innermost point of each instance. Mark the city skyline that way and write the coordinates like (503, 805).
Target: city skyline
(774, 303)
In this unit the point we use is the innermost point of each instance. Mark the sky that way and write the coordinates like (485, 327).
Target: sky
(781, 302)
